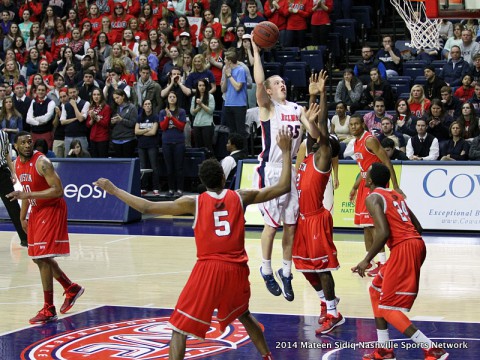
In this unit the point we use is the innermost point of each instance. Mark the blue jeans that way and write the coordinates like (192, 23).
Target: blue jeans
(174, 155)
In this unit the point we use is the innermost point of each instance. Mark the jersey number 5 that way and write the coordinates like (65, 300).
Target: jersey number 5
(402, 210)
(222, 226)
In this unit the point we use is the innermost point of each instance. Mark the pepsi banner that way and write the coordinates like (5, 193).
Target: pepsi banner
(443, 195)
(86, 202)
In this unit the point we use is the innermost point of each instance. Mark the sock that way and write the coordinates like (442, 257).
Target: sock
(332, 307)
(382, 257)
(321, 295)
(267, 267)
(48, 297)
(287, 268)
(267, 356)
(420, 338)
(64, 281)
(383, 338)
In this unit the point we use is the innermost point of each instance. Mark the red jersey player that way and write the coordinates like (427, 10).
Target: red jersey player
(367, 150)
(395, 287)
(314, 252)
(47, 223)
(219, 279)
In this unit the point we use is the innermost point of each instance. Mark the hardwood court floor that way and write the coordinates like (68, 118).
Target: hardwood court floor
(150, 271)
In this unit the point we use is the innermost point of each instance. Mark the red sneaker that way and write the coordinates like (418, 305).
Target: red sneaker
(375, 270)
(380, 354)
(47, 314)
(330, 323)
(71, 295)
(323, 310)
(435, 354)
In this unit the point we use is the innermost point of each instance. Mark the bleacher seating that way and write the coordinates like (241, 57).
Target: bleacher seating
(272, 68)
(420, 80)
(284, 56)
(413, 68)
(314, 59)
(297, 73)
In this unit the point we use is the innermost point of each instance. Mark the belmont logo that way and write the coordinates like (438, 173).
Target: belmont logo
(141, 339)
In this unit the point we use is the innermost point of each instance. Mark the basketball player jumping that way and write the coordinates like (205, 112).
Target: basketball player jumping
(395, 287)
(314, 252)
(219, 279)
(275, 112)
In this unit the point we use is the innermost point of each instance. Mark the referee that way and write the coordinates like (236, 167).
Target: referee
(7, 179)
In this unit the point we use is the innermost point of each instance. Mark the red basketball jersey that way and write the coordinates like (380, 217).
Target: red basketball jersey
(32, 181)
(219, 227)
(311, 184)
(364, 157)
(396, 212)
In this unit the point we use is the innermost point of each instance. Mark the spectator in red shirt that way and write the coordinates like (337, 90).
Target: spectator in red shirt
(299, 12)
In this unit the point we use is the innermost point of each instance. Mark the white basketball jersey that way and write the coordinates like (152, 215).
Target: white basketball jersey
(287, 116)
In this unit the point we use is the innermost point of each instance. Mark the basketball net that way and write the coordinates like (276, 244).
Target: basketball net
(425, 32)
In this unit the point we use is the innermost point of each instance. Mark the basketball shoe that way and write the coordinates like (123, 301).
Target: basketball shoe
(435, 354)
(375, 270)
(71, 295)
(330, 323)
(380, 354)
(47, 314)
(271, 283)
(285, 285)
(323, 310)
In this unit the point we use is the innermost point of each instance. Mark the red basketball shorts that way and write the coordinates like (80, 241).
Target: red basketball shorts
(212, 285)
(398, 280)
(313, 247)
(362, 216)
(48, 232)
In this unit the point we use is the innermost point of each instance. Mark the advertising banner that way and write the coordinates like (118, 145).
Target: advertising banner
(343, 209)
(86, 202)
(443, 196)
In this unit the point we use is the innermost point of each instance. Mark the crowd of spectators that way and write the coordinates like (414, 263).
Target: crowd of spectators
(125, 78)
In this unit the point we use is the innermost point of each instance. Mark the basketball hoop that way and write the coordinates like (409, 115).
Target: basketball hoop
(424, 32)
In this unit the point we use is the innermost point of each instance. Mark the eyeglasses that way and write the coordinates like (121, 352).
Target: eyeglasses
(196, 7)
(118, 7)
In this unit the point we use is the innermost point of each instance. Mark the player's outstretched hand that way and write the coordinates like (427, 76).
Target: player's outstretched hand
(17, 195)
(360, 268)
(312, 86)
(312, 113)
(254, 45)
(284, 139)
(322, 81)
(106, 185)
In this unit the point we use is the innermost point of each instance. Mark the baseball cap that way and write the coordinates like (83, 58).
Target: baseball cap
(246, 36)
(185, 34)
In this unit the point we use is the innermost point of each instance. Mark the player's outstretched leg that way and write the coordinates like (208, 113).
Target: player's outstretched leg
(256, 334)
(72, 291)
(332, 318)
(284, 274)
(268, 234)
(178, 343)
(48, 312)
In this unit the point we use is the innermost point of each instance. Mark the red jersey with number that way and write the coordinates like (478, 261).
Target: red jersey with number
(32, 181)
(219, 227)
(311, 184)
(364, 157)
(396, 212)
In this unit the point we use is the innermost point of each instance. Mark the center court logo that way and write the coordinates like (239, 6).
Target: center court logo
(142, 339)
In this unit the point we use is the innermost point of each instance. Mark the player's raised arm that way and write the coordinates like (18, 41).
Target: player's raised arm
(263, 99)
(183, 205)
(254, 196)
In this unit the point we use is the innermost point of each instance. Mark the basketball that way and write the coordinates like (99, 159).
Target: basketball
(265, 34)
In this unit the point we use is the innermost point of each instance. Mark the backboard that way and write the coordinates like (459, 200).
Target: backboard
(452, 9)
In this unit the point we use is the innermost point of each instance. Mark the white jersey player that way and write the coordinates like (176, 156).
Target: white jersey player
(276, 112)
